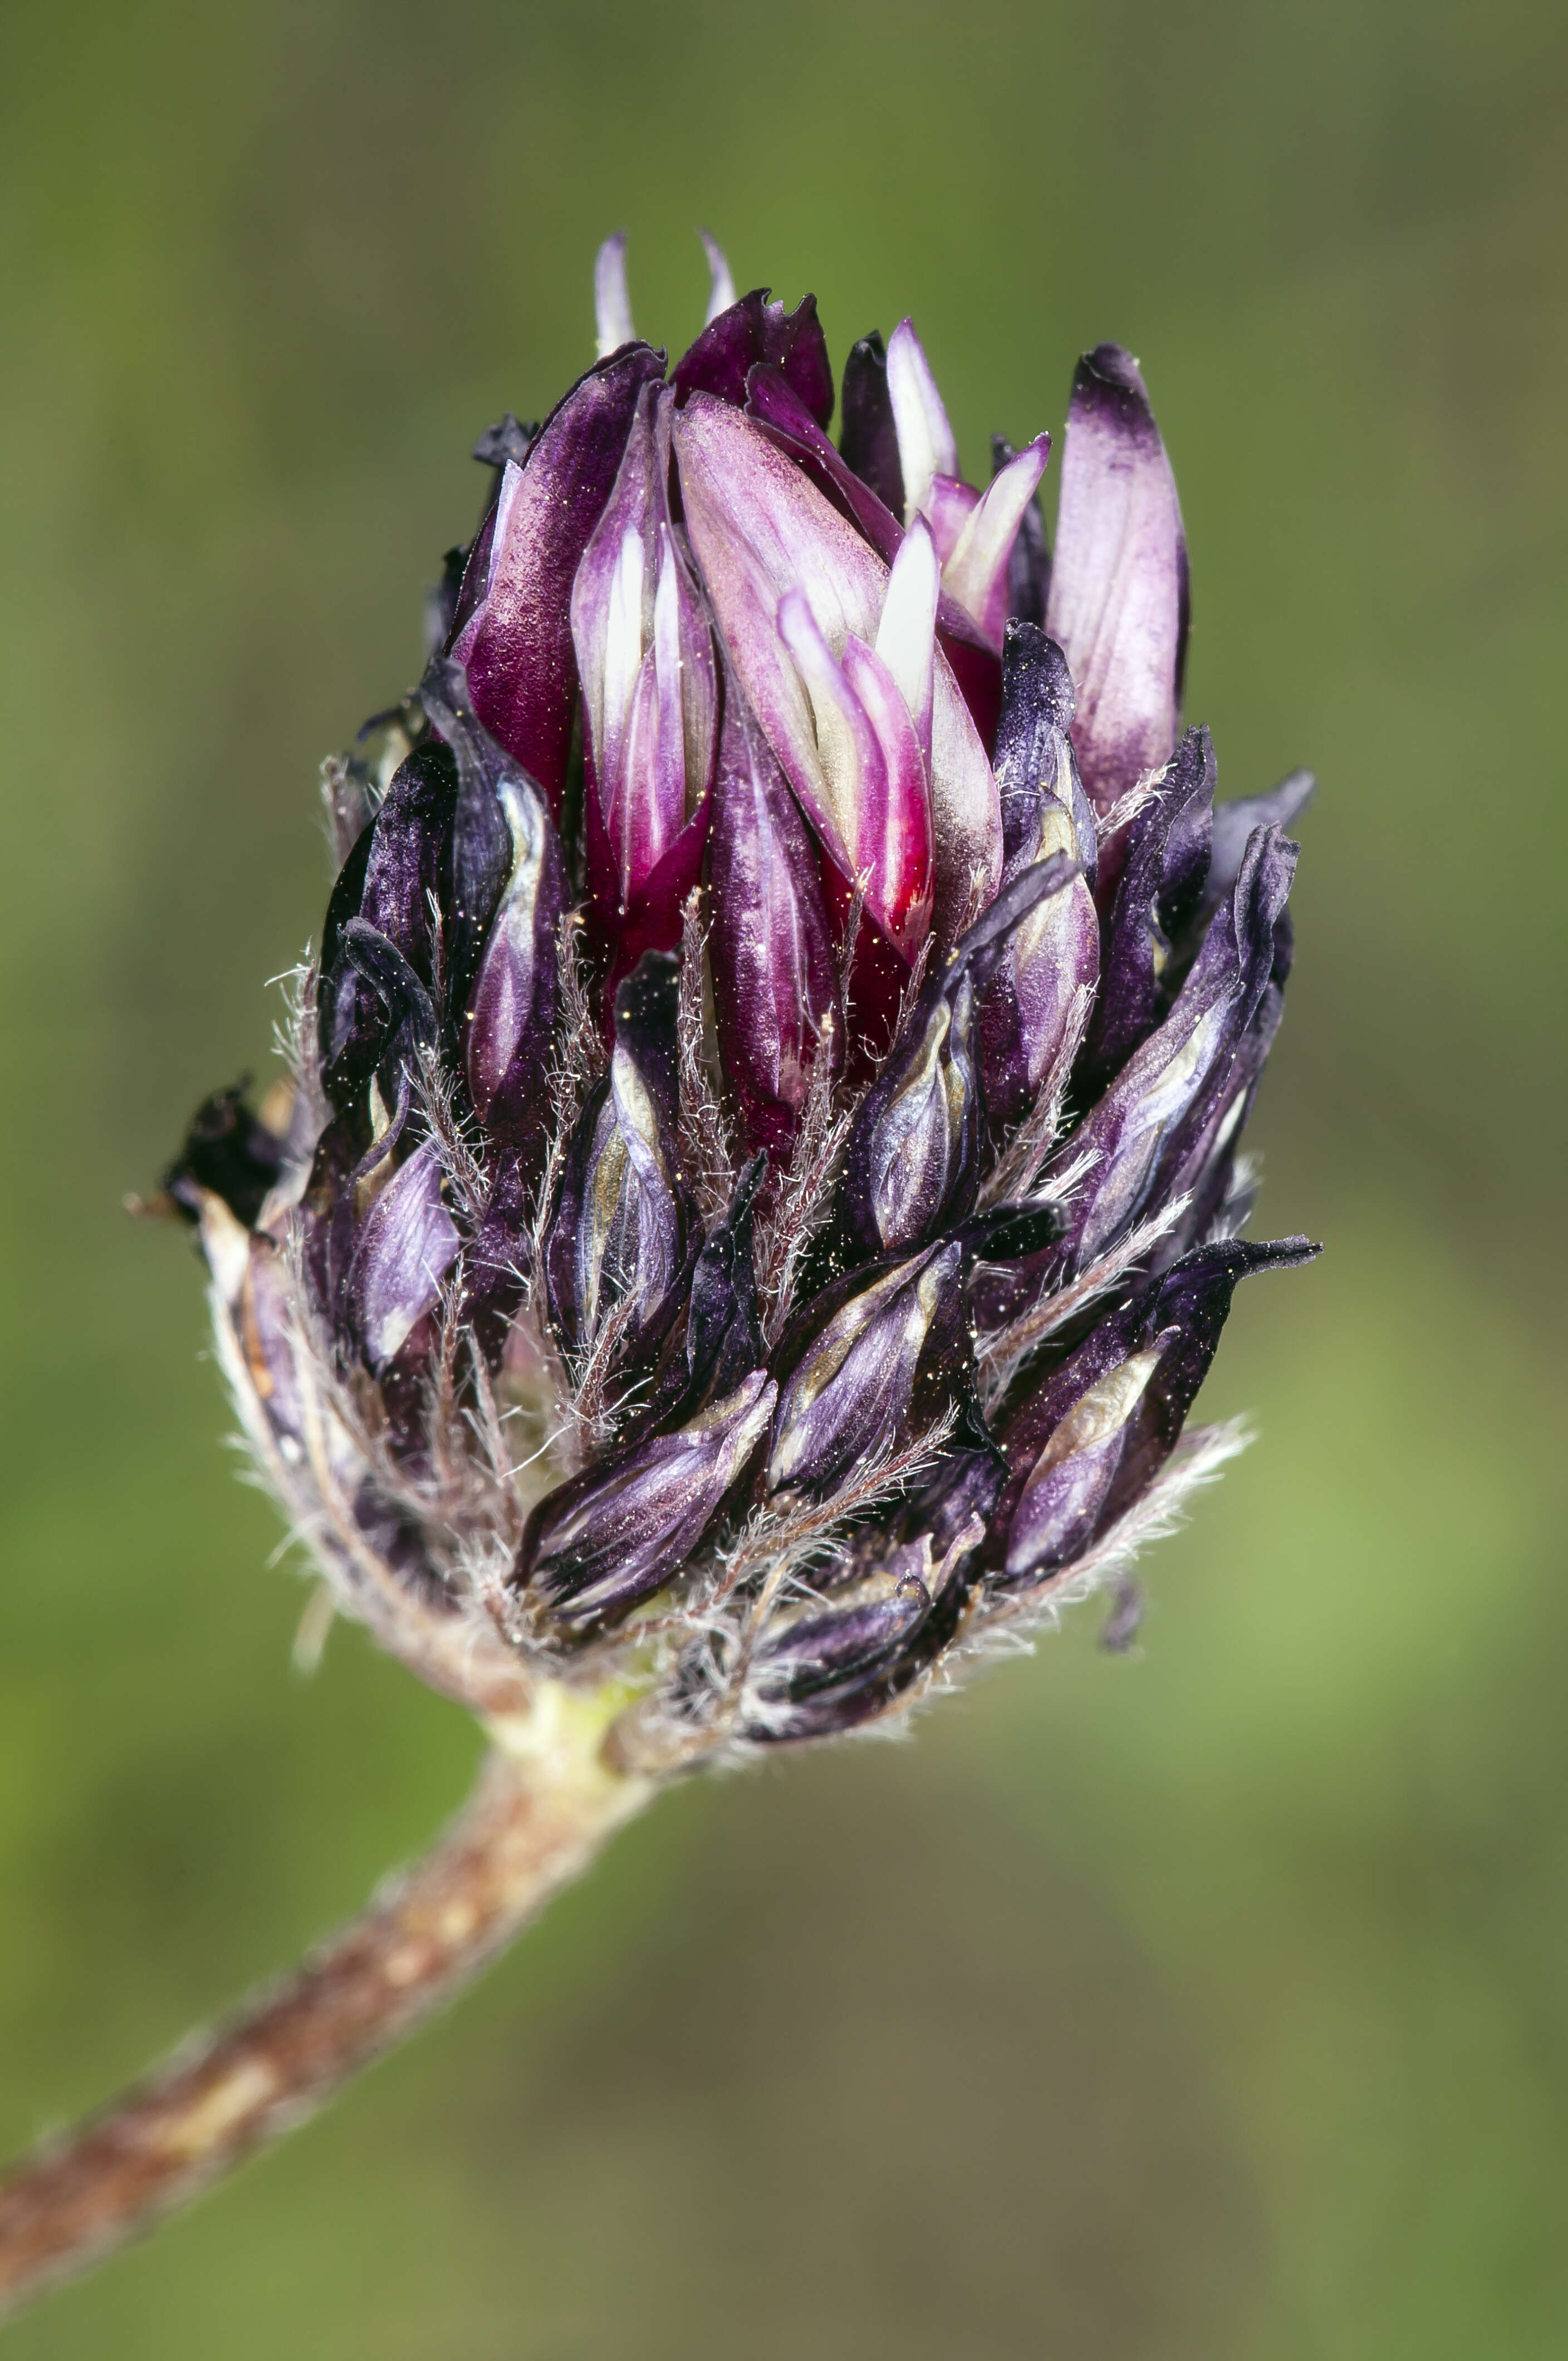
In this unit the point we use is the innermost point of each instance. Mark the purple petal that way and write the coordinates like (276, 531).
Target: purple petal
(1234, 822)
(838, 1663)
(1034, 757)
(407, 1244)
(772, 949)
(1118, 602)
(914, 1155)
(754, 331)
(516, 646)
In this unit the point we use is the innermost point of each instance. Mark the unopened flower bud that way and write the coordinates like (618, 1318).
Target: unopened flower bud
(511, 1018)
(618, 1532)
(853, 1389)
(856, 1316)
(407, 1244)
(619, 1230)
(913, 1162)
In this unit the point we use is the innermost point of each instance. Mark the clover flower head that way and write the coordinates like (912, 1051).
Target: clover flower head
(759, 1186)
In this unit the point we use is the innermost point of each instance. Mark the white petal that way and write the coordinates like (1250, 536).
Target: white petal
(905, 639)
(925, 443)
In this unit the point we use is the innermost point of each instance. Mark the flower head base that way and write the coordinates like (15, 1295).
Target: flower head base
(760, 1188)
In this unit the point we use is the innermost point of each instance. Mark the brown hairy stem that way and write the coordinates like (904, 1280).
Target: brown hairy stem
(537, 1815)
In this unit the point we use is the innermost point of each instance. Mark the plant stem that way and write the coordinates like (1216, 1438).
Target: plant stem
(544, 1804)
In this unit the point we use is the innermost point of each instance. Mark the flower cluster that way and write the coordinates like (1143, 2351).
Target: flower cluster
(758, 1190)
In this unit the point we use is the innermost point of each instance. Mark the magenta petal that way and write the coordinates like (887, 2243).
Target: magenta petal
(515, 645)
(758, 530)
(949, 506)
(786, 420)
(753, 331)
(651, 920)
(1118, 598)
(895, 842)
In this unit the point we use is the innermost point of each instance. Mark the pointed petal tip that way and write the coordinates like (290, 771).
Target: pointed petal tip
(612, 299)
(722, 278)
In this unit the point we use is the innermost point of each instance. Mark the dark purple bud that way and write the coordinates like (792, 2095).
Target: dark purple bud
(480, 850)
(1034, 761)
(1207, 1174)
(515, 643)
(623, 1220)
(1234, 822)
(1166, 860)
(1029, 566)
(724, 1336)
(394, 1021)
(774, 971)
(1054, 958)
(390, 884)
(1159, 1105)
(407, 1244)
(228, 1153)
(622, 1530)
(855, 1389)
(754, 331)
(1062, 1501)
(833, 1664)
(914, 1155)
(1118, 598)
(868, 439)
(1188, 1311)
(511, 1015)
(912, 1166)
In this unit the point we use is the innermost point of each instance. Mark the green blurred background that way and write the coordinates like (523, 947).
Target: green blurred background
(1207, 2003)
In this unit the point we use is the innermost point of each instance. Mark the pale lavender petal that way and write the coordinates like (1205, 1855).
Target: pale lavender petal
(976, 571)
(720, 280)
(1118, 600)
(947, 507)
(407, 1244)
(612, 300)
